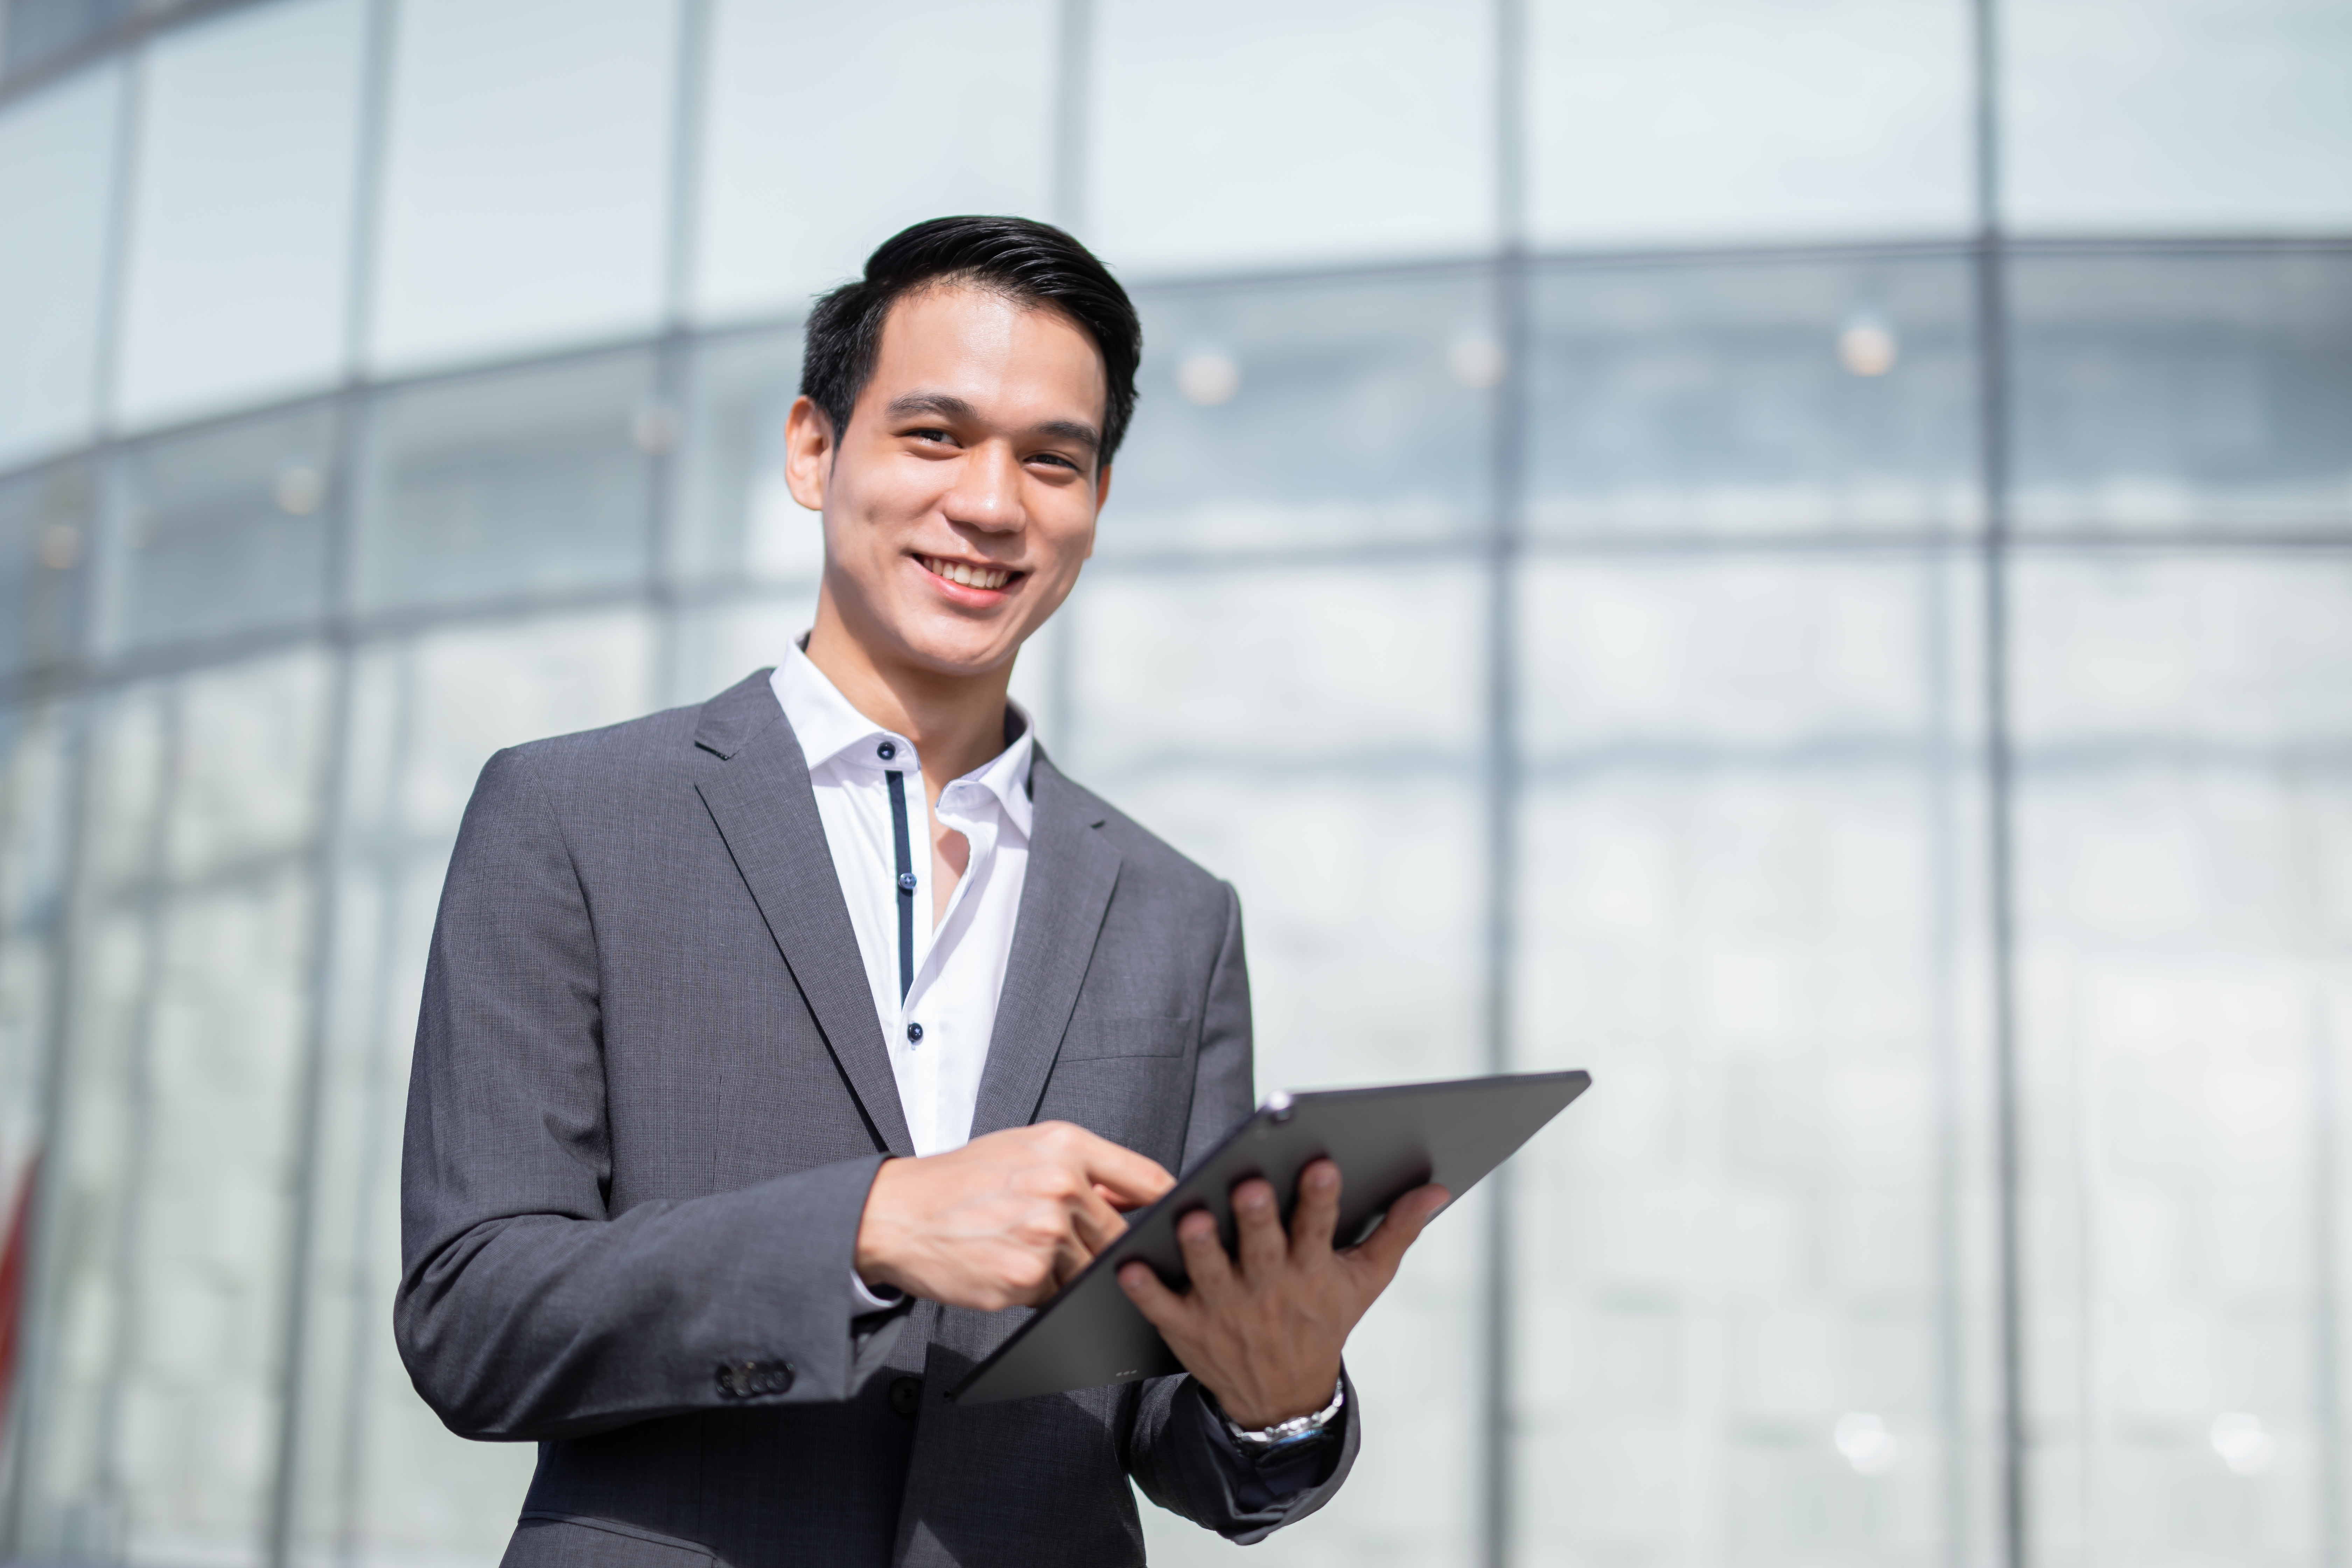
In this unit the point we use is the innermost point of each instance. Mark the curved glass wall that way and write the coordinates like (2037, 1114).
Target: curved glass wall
(1618, 558)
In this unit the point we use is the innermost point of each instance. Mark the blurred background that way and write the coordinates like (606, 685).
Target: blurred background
(1794, 554)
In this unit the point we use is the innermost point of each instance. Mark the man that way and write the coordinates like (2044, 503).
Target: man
(753, 1087)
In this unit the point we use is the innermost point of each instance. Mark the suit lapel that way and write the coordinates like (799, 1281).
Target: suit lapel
(1067, 890)
(765, 810)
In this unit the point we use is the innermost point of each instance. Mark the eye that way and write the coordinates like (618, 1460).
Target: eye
(931, 433)
(1054, 458)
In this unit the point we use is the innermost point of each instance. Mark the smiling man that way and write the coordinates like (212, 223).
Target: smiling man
(771, 1049)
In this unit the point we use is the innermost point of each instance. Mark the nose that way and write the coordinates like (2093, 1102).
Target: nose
(987, 493)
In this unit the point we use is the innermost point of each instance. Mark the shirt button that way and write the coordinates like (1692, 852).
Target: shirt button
(906, 882)
(914, 1034)
(885, 750)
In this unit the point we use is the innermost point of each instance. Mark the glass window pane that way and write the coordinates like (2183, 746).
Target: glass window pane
(735, 518)
(157, 1439)
(2189, 390)
(43, 534)
(1745, 855)
(40, 30)
(1754, 397)
(526, 177)
(34, 825)
(241, 236)
(2173, 115)
(2184, 823)
(57, 167)
(511, 484)
(717, 646)
(223, 531)
(475, 690)
(1225, 133)
(1323, 413)
(893, 114)
(1715, 119)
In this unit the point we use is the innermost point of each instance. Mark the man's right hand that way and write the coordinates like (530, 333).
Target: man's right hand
(1004, 1221)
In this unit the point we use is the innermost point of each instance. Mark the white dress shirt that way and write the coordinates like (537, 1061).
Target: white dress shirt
(938, 1033)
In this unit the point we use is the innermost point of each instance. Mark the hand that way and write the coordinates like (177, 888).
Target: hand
(1263, 1332)
(1003, 1221)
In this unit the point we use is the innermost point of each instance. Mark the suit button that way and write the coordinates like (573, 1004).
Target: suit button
(905, 1395)
(750, 1379)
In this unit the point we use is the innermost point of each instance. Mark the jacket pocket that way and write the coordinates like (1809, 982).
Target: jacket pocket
(1093, 1039)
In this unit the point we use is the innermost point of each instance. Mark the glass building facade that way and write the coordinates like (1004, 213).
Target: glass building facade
(1797, 556)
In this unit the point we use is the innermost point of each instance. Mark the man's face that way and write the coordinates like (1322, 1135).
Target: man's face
(960, 503)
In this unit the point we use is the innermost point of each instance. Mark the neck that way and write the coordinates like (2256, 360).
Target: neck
(956, 721)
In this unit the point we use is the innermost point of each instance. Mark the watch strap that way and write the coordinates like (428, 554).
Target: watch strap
(1284, 1436)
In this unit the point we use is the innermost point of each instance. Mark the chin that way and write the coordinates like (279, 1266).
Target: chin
(953, 655)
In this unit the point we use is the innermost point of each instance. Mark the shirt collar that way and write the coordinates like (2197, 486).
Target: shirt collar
(827, 727)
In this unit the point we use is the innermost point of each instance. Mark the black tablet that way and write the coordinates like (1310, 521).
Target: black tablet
(1385, 1140)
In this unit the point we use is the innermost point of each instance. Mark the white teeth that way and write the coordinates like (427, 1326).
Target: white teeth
(969, 576)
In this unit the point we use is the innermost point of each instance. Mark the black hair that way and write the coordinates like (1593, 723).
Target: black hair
(1034, 263)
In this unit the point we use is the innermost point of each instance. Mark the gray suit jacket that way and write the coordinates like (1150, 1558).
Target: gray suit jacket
(650, 1092)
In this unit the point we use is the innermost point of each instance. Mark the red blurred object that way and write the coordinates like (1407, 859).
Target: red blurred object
(12, 1250)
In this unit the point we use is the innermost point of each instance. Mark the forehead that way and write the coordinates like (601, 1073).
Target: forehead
(1000, 354)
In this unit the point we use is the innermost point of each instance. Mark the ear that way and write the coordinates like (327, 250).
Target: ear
(809, 448)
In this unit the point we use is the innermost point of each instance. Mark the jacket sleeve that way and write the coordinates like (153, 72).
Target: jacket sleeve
(526, 1309)
(1177, 1450)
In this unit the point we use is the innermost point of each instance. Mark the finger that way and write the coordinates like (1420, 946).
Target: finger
(1160, 1307)
(1318, 1213)
(1070, 1260)
(1132, 1179)
(1264, 1249)
(1401, 1227)
(1204, 1254)
(1094, 1222)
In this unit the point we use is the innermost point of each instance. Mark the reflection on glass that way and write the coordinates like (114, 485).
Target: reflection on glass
(56, 157)
(44, 542)
(961, 119)
(223, 531)
(1830, 395)
(1699, 119)
(1283, 416)
(1226, 132)
(507, 485)
(175, 1154)
(523, 206)
(2189, 390)
(2182, 1030)
(734, 517)
(2176, 116)
(1737, 1285)
(247, 136)
(33, 834)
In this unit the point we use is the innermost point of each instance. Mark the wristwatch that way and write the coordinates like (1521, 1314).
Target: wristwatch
(1284, 1437)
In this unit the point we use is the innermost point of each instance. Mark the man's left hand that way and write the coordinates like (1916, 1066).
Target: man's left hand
(1263, 1331)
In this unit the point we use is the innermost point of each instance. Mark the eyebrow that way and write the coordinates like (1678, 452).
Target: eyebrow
(947, 405)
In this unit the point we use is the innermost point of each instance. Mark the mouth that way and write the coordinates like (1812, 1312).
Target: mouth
(964, 574)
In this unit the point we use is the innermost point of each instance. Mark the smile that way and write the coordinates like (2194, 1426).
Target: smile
(968, 577)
